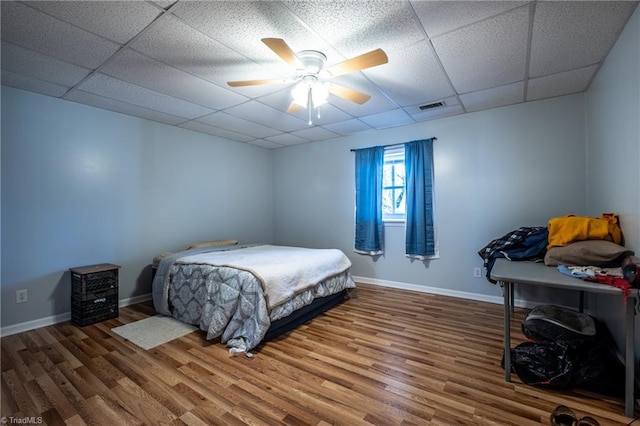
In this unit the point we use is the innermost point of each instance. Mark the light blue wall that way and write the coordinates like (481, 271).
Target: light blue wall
(495, 171)
(82, 186)
(613, 146)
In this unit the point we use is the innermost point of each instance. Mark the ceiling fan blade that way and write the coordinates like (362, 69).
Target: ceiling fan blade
(366, 60)
(349, 94)
(294, 107)
(282, 49)
(258, 82)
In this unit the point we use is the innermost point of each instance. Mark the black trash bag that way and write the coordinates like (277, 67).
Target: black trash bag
(569, 349)
(546, 364)
(599, 369)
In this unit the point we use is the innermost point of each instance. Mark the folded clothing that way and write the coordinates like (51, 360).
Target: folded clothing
(568, 229)
(589, 252)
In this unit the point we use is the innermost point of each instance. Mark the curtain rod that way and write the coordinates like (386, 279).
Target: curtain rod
(393, 144)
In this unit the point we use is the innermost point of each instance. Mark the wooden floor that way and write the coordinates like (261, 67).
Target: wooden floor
(384, 357)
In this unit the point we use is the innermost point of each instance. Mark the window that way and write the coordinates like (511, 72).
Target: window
(396, 185)
(393, 186)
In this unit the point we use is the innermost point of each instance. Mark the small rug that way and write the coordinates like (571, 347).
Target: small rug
(154, 331)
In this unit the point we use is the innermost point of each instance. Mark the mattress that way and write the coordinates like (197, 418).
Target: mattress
(236, 292)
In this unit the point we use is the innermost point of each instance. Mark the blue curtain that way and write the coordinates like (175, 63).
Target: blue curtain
(420, 233)
(369, 225)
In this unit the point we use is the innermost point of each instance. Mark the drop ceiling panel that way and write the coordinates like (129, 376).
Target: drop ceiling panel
(439, 17)
(387, 119)
(265, 144)
(287, 139)
(118, 21)
(563, 83)
(122, 107)
(109, 87)
(413, 75)
(348, 127)
(267, 116)
(239, 125)
(570, 34)
(495, 97)
(354, 28)
(53, 37)
(31, 84)
(487, 54)
(216, 131)
(164, 3)
(315, 133)
(143, 71)
(33, 64)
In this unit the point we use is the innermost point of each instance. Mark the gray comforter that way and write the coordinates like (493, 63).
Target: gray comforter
(231, 302)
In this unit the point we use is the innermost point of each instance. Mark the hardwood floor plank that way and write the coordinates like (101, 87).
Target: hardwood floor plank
(75, 421)
(7, 403)
(37, 396)
(384, 357)
(57, 397)
(292, 413)
(136, 400)
(165, 395)
(15, 388)
(191, 419)
(101, 412)
(11, 354)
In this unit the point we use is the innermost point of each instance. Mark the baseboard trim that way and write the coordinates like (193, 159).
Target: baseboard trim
(55, 319)
(499, 300)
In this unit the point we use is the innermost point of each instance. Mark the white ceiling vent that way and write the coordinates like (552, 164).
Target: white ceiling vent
(431, 105)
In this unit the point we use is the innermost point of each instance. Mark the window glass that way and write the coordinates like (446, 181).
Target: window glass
(393, 185)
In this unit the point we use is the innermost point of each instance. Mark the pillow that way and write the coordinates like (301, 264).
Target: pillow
(158, 258)
(210, 244)
(586, 253)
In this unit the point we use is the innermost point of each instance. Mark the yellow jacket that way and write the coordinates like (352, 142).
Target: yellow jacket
(568, 229)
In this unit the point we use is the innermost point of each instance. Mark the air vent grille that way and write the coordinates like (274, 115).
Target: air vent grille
(431, 105)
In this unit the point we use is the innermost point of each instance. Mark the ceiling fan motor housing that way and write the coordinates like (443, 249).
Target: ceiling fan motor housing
(312, 60)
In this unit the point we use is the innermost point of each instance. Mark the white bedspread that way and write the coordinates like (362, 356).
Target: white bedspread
(284, 271)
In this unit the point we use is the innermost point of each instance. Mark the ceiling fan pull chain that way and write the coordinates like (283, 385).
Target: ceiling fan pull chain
(309, 105)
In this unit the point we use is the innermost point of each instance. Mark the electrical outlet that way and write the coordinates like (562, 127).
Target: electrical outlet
(477, 272)
(22, 296)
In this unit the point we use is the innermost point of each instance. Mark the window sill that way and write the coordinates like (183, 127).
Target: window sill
(394, 223)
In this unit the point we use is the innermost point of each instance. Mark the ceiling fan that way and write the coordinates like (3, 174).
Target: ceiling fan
(310, 91)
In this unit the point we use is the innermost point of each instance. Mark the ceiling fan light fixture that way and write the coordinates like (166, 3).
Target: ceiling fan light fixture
(300, 93)
(319, 94)
(310, 86)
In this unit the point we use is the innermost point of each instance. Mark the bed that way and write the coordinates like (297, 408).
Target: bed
(247, 294)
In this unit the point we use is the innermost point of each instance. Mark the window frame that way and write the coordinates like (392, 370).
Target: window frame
(394, 154)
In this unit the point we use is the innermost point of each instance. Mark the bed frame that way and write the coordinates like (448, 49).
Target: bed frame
(304, 314)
